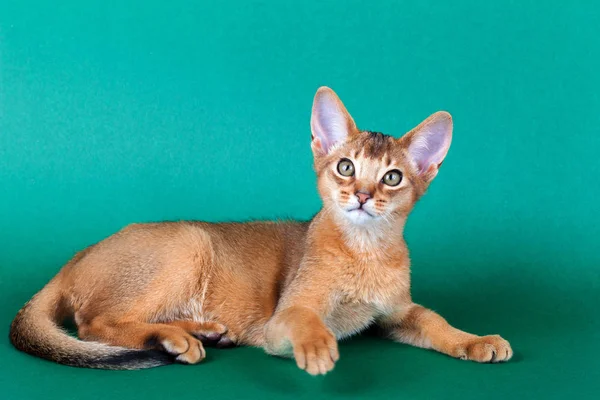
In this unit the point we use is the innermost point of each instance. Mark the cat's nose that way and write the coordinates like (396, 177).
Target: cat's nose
(363, 196)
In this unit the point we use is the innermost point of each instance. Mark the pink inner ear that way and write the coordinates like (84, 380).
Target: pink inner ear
(431, 143)
(328, 122)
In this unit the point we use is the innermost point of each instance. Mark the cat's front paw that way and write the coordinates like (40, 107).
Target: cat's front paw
(316, 354)
(485, 349)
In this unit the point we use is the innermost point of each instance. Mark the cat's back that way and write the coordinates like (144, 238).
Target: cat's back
(261, 250)
(145, 248)
(255, 237)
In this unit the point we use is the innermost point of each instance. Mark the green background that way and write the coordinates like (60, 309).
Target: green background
(119, 111)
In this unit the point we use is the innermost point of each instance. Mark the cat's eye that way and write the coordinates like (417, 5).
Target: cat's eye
(392, 178)
(345, 167)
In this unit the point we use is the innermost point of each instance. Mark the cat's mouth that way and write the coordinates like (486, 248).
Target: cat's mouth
(360, 211)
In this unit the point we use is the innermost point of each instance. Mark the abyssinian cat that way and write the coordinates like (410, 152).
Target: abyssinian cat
(154, 293)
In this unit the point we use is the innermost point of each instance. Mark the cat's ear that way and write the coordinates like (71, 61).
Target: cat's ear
(428, 144)
(330, 123)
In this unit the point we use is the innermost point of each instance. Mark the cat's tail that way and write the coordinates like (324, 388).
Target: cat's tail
(35, 331)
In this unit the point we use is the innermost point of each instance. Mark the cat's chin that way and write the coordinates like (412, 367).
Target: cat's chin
(359, 216)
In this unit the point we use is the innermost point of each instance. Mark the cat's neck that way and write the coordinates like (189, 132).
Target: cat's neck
(383, 236)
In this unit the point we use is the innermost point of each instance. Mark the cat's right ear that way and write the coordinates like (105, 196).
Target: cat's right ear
(330, 123)
(428, 144)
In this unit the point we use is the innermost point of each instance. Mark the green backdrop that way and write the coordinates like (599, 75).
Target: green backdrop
(119, 111)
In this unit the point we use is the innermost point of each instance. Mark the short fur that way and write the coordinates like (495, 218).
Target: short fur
(152, 293)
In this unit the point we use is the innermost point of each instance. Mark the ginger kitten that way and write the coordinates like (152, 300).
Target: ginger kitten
(154, 293)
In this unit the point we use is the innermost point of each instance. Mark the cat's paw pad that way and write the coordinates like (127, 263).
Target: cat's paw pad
(485, 349)
(318, 354)
(186, 349)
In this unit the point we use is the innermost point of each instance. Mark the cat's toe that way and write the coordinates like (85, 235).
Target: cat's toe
(486, 349)
(185, 348)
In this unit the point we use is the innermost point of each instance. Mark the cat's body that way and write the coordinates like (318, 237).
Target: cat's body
(292, 288)
(230, 273)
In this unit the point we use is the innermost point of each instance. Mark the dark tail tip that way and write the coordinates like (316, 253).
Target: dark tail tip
(131, 359)
(54, 344)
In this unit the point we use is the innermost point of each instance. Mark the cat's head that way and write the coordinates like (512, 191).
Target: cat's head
(367, 177)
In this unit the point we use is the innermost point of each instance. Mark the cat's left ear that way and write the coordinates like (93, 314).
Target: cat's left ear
(330, 123)
(428, 144)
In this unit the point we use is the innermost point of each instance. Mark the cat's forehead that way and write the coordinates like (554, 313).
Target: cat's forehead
(376, 147)
(376, 144)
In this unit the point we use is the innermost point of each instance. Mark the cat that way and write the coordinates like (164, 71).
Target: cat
(155, 293)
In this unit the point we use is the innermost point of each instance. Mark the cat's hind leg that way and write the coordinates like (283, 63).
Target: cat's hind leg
(170, 338)
(209, 333)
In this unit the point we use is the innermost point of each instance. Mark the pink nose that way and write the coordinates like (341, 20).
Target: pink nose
(363, 197)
